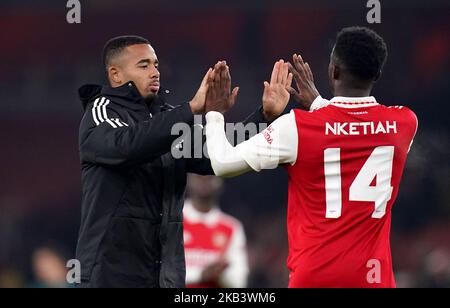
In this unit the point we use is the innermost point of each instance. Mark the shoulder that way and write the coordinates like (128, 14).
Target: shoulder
(102, 109)
(313, 115)
(101, 102)
(408, 113)
(404, 113)
(399, 108)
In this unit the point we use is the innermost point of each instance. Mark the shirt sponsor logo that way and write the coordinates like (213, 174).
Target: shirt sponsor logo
(266, 134)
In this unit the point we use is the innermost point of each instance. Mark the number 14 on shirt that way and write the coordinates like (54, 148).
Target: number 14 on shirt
(379, 165)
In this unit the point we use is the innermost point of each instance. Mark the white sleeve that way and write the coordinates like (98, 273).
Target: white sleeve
(275, 145)
(225, 160)
(236, 274)
(318, 103)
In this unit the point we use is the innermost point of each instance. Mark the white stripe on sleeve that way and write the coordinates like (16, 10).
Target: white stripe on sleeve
(94, 112)
(118, 122)
(106, 115)
(99, 108)
(100, 115)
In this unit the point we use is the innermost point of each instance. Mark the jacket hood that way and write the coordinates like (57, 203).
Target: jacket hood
(87, 92)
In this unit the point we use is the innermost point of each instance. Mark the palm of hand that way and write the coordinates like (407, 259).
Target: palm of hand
(275, 98)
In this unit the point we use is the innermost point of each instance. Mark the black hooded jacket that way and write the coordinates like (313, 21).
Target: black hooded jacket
(131, 232)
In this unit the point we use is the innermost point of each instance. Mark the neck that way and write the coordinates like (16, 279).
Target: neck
(203, 205)
(350, 87)
(351, 92)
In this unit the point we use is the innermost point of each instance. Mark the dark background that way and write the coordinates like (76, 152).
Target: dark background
(44, 60)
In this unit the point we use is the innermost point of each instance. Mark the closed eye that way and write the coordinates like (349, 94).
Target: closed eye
(144, 64)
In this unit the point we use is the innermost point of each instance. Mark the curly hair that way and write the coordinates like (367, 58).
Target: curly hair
(362, 51)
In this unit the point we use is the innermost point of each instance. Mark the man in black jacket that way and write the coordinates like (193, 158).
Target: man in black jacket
(131, 232)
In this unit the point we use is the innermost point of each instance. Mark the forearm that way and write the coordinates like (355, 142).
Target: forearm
(225, 159)
(256, 117)
(203, 165)
(275, 145)
(252, 125)
(135, 143)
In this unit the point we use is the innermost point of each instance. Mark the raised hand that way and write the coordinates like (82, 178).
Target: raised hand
(220, 97)
(304, 79)
(198, 102)
(276, 93)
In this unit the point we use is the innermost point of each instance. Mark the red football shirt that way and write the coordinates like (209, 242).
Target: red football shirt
(209, 237)
(342, 186)
(345, 160)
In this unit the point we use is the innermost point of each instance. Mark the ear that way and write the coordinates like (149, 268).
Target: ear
(114, 75)
(377, 77)
(336, 72)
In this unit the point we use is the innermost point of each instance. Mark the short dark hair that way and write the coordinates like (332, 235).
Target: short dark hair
(362, 51)
(117, 44)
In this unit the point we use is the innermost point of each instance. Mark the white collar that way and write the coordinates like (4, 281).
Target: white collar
(354, 102)
(195, 216)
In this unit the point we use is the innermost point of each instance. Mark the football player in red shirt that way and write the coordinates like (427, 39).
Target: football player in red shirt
(214, 242)
(344, 159)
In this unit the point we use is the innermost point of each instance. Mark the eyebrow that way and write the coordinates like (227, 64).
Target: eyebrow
(146, 61)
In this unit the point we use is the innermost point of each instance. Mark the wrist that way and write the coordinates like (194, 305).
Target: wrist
(214, 110)
(267, 116)
(214, 117)
(195, 108)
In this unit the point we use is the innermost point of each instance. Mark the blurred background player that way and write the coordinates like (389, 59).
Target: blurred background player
(49, 268)
(215, 244)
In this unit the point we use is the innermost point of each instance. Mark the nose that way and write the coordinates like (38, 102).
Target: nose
(154, 72)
